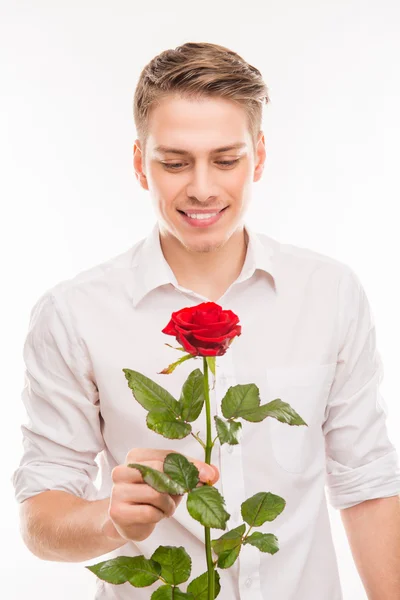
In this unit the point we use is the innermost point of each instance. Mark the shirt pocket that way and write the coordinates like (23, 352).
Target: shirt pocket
(306, 389)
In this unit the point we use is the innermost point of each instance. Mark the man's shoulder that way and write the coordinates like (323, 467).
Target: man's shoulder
(293, 256)
(103, 277)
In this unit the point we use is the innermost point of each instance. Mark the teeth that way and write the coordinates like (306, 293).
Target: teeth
(201, 216)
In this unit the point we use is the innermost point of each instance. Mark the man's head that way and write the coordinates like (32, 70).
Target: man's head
(195, 100)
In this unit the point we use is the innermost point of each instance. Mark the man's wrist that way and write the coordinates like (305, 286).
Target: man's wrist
(111, 532)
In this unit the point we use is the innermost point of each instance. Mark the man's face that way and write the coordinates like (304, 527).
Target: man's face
(200, 178)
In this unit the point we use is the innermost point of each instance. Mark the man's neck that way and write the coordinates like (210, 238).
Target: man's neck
(208, 273)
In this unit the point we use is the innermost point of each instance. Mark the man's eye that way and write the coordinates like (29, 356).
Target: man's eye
(172, 166)
(226, 163)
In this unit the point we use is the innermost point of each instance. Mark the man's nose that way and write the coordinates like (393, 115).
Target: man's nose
(201, 184)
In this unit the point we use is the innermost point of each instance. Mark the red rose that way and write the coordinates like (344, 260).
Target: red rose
(205, 329)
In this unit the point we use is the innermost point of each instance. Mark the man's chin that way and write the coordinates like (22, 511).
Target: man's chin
(211, 244)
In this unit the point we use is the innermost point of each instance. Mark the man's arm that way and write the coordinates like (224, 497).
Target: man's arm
(373, 531)
(59, 526)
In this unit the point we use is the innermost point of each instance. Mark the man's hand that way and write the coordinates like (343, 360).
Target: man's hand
(135, 507)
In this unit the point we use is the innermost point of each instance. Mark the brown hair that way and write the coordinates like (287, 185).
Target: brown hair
(196, 70)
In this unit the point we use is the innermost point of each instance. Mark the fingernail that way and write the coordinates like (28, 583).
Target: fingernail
(207, 473)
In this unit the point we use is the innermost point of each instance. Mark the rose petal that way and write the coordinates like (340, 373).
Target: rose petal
(219, 340)
(187, 345)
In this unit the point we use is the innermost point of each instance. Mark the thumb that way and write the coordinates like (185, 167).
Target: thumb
(209, 473)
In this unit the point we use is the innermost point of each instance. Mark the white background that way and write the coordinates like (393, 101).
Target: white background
(69, 197)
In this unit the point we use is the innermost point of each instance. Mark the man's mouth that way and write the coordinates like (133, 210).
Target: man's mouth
(201, 212)
(203, 219)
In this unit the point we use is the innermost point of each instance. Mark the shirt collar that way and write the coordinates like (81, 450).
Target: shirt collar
(152, 270)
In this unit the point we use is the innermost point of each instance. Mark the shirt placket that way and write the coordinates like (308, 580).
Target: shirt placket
(232, 486)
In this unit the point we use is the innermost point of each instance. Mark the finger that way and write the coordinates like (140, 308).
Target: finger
(125, 474)
(144, 494)
(208, 473)
(147, 454)
(216, 471)
(137, 514)
(141, 454)
(176, 498)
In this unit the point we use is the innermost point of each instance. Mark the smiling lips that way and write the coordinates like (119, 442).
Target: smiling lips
(202, 221)
(202, 211)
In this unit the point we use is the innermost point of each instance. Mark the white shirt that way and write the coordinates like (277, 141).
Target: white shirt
(308, 337)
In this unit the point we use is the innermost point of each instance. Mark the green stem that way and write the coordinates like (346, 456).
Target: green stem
(208, 415)
(247, 533)
(198, 439)
(214, 440)
(209, 444)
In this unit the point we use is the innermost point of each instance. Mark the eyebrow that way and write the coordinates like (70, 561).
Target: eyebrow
(236, 146)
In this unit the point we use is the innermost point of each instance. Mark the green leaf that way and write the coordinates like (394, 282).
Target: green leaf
(227, 547)
(158, 480)
(239, 399)
(175, 364)
(198, 587)
(175, 562)
(282, 411)
(229, 539)
(151, 395)
(181, 470)
(243, 400)
(266, 542)
(228, 431)
(192, 396)
(138, 570)
(228, 557)
(262, 507)
(176, 347)
(211, 363)
(167, 592)
(206, 505)
(167, 425)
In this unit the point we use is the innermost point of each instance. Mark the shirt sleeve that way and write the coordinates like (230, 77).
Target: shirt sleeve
(361, 461)
(62, 435)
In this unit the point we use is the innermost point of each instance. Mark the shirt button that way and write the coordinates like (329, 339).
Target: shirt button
(247, 583)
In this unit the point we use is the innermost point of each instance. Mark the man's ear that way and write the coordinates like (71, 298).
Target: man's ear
(260, 157)
(138, 165)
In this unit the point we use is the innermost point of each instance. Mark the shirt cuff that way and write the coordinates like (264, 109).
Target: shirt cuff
(347, 486)
(32, 479)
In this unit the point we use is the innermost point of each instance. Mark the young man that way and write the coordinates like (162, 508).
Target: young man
(308, 337)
